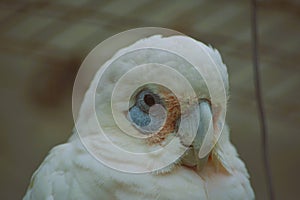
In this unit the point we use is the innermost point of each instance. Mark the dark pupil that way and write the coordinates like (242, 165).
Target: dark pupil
(149, 100)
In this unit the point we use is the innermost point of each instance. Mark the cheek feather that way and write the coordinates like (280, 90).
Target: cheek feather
(173, 110)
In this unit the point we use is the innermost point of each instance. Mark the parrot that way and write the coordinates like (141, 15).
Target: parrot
(90, 167)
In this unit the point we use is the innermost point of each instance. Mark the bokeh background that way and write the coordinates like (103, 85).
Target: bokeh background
(44, 42)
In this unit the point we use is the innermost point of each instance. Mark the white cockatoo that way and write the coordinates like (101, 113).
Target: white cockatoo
(72, 170)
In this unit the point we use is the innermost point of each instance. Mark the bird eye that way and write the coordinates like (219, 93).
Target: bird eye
(145, 99)
(154, 109)
(149, 100)
(148, 112)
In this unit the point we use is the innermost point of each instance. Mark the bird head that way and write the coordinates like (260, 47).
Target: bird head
(155, 105)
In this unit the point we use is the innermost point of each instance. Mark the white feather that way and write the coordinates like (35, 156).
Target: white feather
(70, 172)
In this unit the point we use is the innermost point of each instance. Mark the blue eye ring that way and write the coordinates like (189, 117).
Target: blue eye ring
(165, 109)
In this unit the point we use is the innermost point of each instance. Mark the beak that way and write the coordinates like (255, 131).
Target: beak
(196, 154)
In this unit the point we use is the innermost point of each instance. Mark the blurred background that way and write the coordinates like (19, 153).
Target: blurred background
(44, 42)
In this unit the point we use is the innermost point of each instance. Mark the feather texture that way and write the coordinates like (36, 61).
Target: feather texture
(71, 172)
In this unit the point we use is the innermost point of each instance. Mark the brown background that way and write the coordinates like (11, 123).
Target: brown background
(44, 42)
